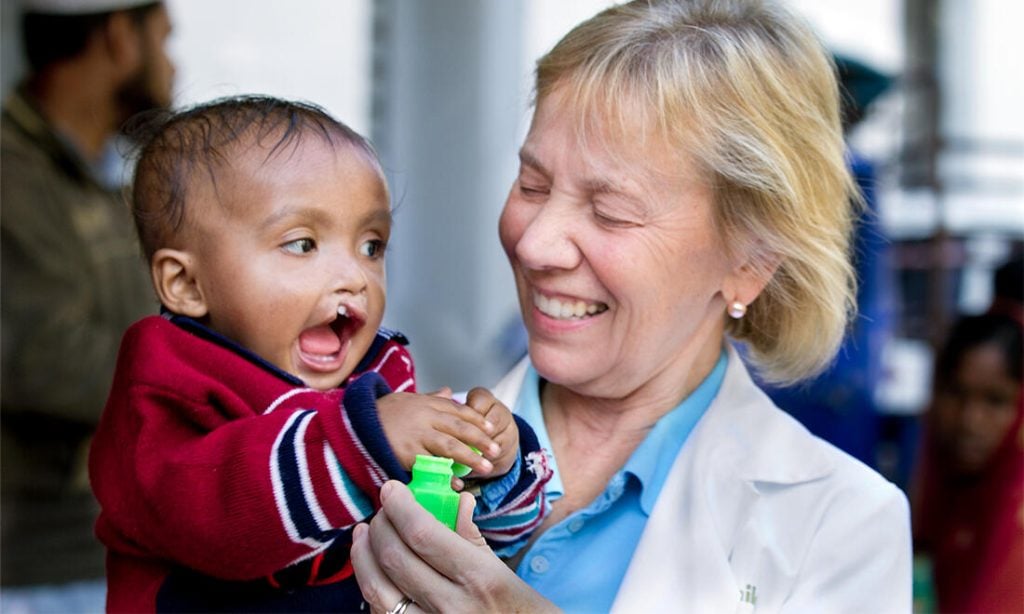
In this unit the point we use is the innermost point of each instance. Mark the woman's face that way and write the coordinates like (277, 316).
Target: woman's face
(619, 269)
(975, 409)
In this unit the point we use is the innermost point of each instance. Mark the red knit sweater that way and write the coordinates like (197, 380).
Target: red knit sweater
(209, 458)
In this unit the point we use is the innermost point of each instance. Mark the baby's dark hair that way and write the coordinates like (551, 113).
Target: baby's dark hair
(174, 146)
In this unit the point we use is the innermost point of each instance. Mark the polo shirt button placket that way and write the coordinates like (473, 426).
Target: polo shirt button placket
(539, 564)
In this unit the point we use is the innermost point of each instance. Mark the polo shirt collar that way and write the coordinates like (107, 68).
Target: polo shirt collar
(653, 458)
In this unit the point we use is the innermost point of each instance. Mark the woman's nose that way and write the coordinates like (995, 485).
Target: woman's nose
(549, 238)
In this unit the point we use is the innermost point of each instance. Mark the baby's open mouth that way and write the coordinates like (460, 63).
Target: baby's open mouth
(324, 347)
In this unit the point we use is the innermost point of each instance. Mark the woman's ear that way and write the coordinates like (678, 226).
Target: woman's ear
(749, 277)
(174, 277)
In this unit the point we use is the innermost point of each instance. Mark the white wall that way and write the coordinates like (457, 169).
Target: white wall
(314, 50)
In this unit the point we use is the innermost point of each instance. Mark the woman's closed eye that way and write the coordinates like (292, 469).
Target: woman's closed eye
(299, 246)
(612, 221)
(532, 191)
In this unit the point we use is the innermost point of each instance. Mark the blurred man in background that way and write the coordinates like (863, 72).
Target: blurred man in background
(72, 277)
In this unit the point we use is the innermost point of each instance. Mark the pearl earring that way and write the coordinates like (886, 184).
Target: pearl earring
(737, 310)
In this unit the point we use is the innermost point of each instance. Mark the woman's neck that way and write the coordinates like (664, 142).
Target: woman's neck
(593, 437)
(579, 413)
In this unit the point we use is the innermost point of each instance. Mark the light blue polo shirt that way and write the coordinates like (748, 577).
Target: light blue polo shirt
(579, 563)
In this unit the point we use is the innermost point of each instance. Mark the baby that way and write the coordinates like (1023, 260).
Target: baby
(251, 426)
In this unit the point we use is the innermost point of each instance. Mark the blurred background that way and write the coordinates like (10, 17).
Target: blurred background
(443, 89)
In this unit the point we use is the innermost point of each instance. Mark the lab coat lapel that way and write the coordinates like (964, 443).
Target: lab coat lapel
(681, 563)
(686, 560)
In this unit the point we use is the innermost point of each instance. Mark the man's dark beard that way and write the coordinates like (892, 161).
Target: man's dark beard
(135, 95)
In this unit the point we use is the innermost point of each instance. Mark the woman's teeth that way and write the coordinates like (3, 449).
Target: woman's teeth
(566, 310)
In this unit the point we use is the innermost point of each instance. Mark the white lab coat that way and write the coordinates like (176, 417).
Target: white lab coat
(758, 515)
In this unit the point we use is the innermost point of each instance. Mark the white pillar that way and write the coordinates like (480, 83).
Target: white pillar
(447, 104)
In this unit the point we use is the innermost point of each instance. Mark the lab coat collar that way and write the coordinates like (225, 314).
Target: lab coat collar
(752, 444)
(688, 557)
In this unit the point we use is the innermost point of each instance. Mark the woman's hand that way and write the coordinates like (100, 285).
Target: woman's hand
(406, 552)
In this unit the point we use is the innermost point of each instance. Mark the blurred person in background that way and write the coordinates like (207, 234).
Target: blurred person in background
(1008, 289)
(969, 499)
(72, 278)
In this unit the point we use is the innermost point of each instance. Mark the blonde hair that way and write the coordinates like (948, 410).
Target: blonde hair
(746, 90)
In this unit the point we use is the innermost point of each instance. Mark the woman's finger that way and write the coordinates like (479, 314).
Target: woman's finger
(376, 587)
(440, 569)
(423, 534)
(464, 524)
(401, 564)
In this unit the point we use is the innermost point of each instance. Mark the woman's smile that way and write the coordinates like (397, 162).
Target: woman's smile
(567, 308)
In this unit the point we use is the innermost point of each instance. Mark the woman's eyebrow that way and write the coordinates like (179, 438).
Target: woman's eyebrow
(595, 186)
(528, 159)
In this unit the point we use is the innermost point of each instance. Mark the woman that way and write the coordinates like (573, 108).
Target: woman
(683, 182)
(969, 513)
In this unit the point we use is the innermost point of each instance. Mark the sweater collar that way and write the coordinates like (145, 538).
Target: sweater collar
(201, 330)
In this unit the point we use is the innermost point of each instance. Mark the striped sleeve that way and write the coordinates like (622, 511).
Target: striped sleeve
(395, 365)
(511, 507)
(389, 357)
(322, 487)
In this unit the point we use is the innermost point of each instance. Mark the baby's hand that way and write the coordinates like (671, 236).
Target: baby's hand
(505, 432)
(438, 426)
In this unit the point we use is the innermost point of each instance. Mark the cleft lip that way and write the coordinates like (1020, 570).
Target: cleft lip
(349, 318)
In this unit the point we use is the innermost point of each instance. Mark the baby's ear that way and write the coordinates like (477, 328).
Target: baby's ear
(175, 281)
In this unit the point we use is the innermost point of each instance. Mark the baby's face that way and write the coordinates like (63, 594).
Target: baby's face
(291, 263)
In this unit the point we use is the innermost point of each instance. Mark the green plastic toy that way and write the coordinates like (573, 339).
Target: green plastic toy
(459, 470)
(432, 486)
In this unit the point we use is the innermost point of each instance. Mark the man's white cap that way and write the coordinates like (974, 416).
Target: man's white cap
(79, 7)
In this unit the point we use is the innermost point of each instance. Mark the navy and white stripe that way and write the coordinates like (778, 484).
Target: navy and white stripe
(356, 503)
(377, 473)
(284, 397)
(300, 513)
(409, 382)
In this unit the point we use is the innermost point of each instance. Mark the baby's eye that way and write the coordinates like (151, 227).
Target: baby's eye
(299, 246)
(372, 249)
